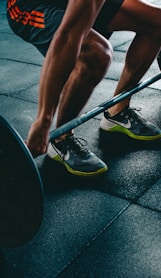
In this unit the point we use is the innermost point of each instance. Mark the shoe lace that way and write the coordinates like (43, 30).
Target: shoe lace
(133, 116)
(77, 144)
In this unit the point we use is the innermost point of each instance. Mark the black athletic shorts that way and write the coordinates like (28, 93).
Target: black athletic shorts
(36, 21)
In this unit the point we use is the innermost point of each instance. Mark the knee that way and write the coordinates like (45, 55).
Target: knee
(96, 57)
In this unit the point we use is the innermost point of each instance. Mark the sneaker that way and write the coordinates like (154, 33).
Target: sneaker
(130, 123)
(77, 159)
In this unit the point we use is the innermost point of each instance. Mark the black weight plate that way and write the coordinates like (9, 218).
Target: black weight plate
(159, 60)
(21, 190)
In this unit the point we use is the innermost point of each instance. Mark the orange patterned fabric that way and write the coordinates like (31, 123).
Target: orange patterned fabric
(33, 18)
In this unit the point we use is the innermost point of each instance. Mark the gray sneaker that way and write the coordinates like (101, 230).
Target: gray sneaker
(77, 159)
(130, 123)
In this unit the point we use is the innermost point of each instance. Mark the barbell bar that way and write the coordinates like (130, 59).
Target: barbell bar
(21, 186)
(102, 107)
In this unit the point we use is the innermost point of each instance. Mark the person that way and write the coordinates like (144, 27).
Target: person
(72, 35)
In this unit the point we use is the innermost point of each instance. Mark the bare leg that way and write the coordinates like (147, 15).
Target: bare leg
(138, 61)
(144, 20)
(85, 75)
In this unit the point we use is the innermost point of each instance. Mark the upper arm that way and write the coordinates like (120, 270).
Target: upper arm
(80, 16)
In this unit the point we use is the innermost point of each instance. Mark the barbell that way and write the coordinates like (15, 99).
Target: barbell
(21, 188)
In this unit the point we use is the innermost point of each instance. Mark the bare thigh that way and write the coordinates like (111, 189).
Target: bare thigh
(137, 16)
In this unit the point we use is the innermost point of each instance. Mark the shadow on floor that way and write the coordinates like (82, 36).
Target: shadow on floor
(114, 144)
(5, 271)
(53, 172)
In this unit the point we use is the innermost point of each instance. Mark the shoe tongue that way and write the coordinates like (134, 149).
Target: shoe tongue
(65, 141)
(59, 144)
